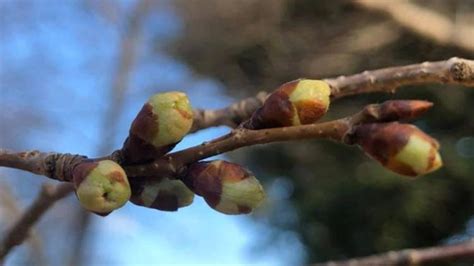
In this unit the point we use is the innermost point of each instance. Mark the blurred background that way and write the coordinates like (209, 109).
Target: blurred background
(73, 74)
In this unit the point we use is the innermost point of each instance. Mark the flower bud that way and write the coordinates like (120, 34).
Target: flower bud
(166, 195)
(298, 102)
(226, 187)
(101, 187)
(395, 110)
(402, 148)
(404, 109)
(163, 121)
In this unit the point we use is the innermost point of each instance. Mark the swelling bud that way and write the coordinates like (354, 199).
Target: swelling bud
(101, 187)
(165, 195)
(226, 187)
(402, 148)
(162, 122)
(295, 103)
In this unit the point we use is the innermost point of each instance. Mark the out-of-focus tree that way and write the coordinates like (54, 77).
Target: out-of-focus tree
(340, 204)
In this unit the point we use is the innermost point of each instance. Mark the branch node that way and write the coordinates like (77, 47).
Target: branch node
(59, 166)
(461, 71)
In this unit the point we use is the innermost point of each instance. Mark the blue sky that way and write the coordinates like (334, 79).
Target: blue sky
(56, 64)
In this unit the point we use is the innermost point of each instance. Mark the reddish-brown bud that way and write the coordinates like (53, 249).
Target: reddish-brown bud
(396, 110)
(165, 195)
(163, 121)
(402, 148)
(227, 187)
(298, 102)
(101, 187)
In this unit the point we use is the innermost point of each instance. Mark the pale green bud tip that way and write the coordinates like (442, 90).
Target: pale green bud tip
(165, 194)
(402, 148)
(174, 116)
(310, 99)
(419, 155)
(102, 186)
(299, 102)
(240, 197)
(227, 187)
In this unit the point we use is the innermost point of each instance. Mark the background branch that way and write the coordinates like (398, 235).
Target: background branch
(439, 254)
(12, 213)
(424, 22)
(19, 232)
(127, 57)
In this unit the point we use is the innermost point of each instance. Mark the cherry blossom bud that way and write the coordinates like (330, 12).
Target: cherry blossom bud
(298, 102)
(402, 148)
(163, 121)
(101, 187)
(165, 194)
(395, 110)
(227, 187)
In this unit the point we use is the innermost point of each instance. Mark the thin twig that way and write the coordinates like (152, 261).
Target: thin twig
(46, 198)
(231, 116)
(455, 71)
(461, 251)
(424, 22)
(10, 203)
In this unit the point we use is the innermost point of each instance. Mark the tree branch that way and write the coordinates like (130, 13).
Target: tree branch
(455, 71)
(173, 164)
(57, 166)
(46, 198)
(53, 165)
(424, 22)
(439, 254)
(231, 116)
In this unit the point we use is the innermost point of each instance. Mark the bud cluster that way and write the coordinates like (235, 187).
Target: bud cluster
(226, 187)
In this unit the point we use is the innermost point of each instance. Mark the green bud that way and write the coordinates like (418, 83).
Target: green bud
(402, 148)
(163, 121)
(226, 187)
(298, 102)
(310, 99)
(174, 116)
(166, 194)
(101, 187)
